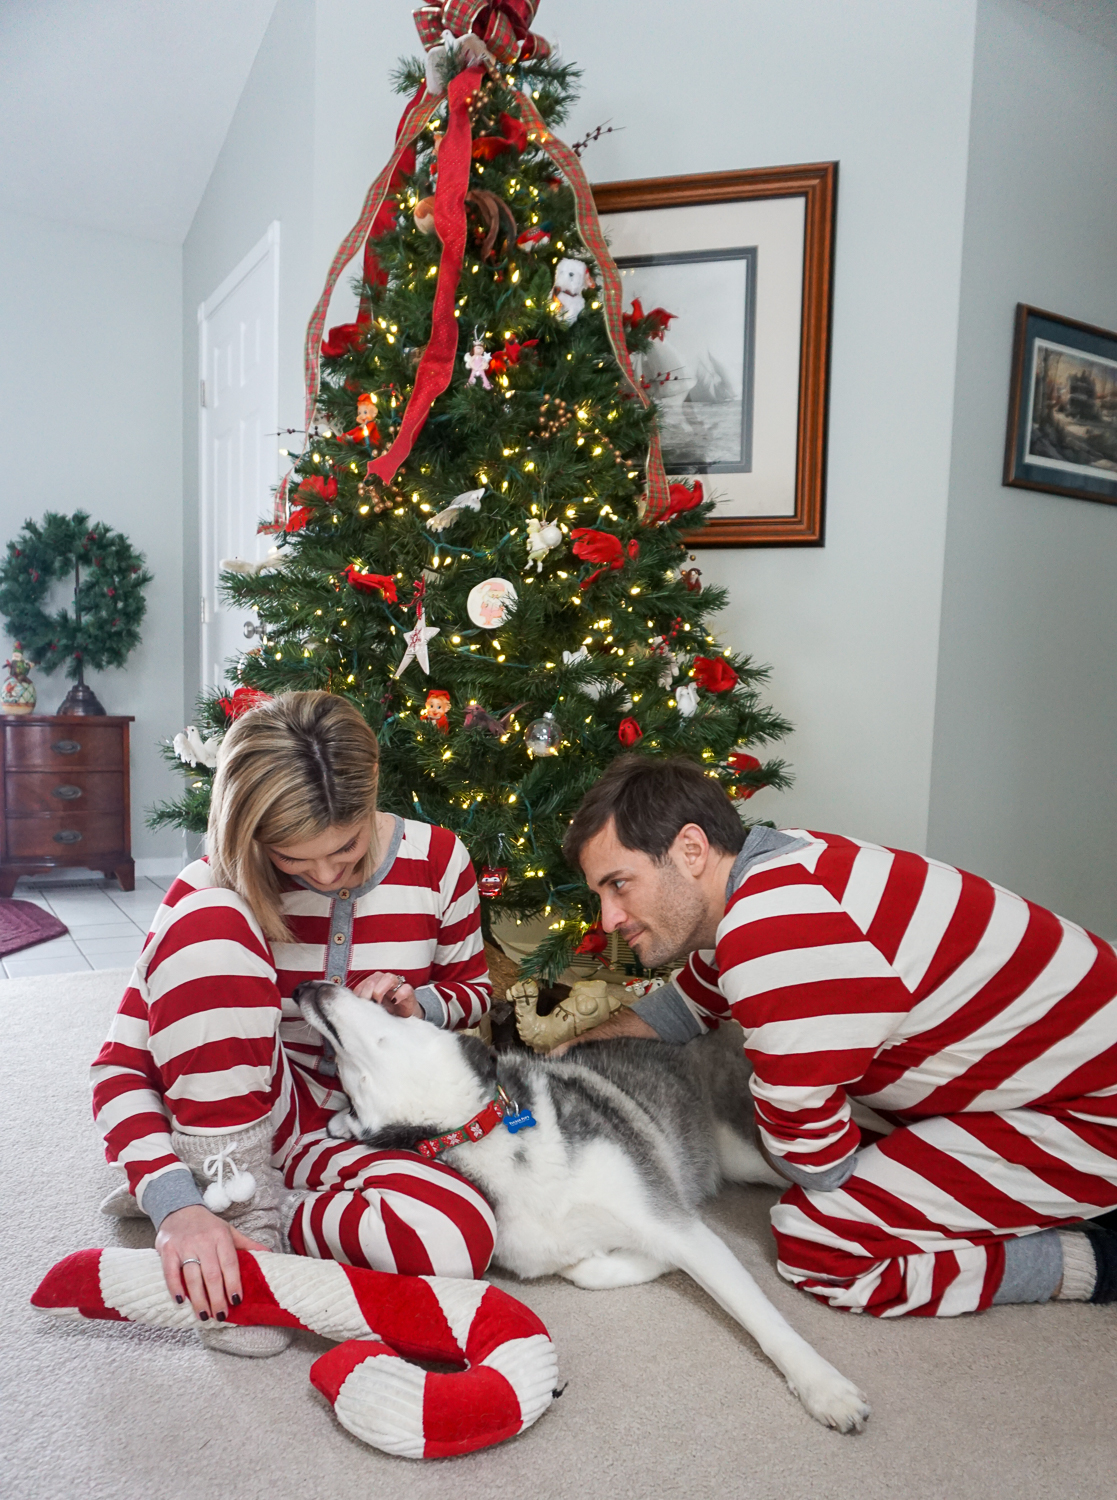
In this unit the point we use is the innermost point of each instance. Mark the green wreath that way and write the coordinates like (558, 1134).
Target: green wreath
(109, 578)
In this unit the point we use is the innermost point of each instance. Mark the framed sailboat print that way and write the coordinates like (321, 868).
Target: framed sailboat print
(737, 266)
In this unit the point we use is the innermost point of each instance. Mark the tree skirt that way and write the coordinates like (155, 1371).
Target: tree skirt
(22, 924)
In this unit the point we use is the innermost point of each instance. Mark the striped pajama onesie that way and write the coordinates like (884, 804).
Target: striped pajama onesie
(208, 1040)
(971, 1035)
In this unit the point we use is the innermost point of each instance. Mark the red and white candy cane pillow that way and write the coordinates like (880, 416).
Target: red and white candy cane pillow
(510, 1369)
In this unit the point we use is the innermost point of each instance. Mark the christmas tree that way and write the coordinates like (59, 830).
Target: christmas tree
(494, 572)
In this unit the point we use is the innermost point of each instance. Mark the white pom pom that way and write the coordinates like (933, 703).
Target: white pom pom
(215, 1198)
(241, 1186)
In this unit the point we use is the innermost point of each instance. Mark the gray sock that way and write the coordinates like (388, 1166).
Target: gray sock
(1033, 1268)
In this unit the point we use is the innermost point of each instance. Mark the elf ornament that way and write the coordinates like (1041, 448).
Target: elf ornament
(436, 709)
(366, 430)
(18, 693)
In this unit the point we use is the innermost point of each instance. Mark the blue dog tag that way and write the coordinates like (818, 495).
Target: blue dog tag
(523, 1119)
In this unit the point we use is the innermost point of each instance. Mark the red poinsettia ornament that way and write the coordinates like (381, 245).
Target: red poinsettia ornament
(714, 674)
(601, 547)
(629, 733)
(243, 699)
(299, 517)
(740, 762)
(344, 337)
(372, 583)
(322, 489)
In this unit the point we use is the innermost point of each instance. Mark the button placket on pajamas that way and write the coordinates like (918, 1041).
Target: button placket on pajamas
(338, 950)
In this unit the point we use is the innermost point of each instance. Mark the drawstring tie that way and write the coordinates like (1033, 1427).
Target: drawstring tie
(220, 1194)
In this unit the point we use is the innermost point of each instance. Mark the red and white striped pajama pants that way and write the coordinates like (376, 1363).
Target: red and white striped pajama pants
(920, 1226)
(387, 1210)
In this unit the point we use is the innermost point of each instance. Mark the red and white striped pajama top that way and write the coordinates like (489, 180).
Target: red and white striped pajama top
(208, 1039)
(973, 1031)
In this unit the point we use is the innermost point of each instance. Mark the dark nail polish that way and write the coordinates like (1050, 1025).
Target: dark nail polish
(221, 1317)
(236, 1300)
(178, 1299)
(204, 1317)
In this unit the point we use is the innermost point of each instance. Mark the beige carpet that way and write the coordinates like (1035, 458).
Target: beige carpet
(666, 1396)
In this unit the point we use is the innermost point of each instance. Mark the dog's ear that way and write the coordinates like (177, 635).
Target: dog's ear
(480, 1058)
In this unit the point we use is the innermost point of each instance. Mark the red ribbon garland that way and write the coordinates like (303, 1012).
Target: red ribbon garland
(437, 364)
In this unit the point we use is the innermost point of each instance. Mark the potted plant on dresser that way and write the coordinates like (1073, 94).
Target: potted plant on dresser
(65, 775)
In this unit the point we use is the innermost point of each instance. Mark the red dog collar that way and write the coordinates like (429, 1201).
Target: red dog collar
(473, 1130)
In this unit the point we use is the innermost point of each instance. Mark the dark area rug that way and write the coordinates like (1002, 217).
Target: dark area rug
(23, 924)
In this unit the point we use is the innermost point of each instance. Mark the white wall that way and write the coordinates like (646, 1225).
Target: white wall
(849, 629)
(1026, 722)
(90, 401)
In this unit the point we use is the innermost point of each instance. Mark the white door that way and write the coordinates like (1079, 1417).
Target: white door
(239, 393)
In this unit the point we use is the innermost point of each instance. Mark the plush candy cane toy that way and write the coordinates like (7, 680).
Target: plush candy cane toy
(510, 1366)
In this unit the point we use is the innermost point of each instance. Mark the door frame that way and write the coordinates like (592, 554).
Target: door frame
(267, 246)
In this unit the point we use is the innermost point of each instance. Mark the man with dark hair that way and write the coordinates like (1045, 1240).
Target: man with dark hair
(934, 1059)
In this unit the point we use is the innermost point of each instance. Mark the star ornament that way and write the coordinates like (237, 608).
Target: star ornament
(417, 639)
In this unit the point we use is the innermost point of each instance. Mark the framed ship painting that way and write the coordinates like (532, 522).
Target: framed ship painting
(741, 262)
(1062, 418)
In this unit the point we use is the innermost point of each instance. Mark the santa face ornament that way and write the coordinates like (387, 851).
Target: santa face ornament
(491, 602)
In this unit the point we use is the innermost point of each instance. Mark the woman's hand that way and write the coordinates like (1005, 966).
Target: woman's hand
(211, 1280)
(393, 993)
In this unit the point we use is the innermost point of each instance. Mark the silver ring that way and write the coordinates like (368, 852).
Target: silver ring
(400, 981)
(191, 1260)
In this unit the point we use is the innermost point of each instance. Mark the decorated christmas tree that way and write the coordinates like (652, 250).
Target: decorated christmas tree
(478, 544)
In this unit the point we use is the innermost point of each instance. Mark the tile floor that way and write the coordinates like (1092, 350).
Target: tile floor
(107, 926)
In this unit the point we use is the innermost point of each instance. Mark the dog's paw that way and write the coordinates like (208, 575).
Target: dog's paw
(834, 1401)
(342, 1126)
(599, 1273)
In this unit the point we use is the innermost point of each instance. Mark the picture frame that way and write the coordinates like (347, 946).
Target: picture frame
(1062, 414)
(741, 372)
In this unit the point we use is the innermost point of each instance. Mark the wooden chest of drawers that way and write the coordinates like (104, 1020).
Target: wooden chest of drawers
(65, 797)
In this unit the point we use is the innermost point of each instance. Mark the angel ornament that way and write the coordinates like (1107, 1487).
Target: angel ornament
(477, 362)
(542, 537)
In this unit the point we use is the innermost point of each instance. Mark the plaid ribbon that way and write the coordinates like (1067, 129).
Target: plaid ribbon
(411, 124)
(503, 25)
(658, 496)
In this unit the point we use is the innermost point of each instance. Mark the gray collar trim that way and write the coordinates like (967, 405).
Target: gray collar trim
(377, 875)
(761, 844)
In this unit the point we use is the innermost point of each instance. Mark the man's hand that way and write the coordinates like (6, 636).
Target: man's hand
(393, 993)
(199, 1255)
(624, 1023)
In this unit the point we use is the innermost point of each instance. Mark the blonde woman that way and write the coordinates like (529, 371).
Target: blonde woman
(210, 1081)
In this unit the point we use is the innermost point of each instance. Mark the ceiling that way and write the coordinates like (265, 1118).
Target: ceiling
(112, 112)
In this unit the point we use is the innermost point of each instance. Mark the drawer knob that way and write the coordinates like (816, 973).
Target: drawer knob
(67, 793)
(66, 747)
(68, 836)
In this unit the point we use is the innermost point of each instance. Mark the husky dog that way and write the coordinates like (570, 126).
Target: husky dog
(629, 1137)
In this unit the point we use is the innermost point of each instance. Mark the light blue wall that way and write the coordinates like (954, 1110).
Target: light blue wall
(1026, 713)
(90, 396)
